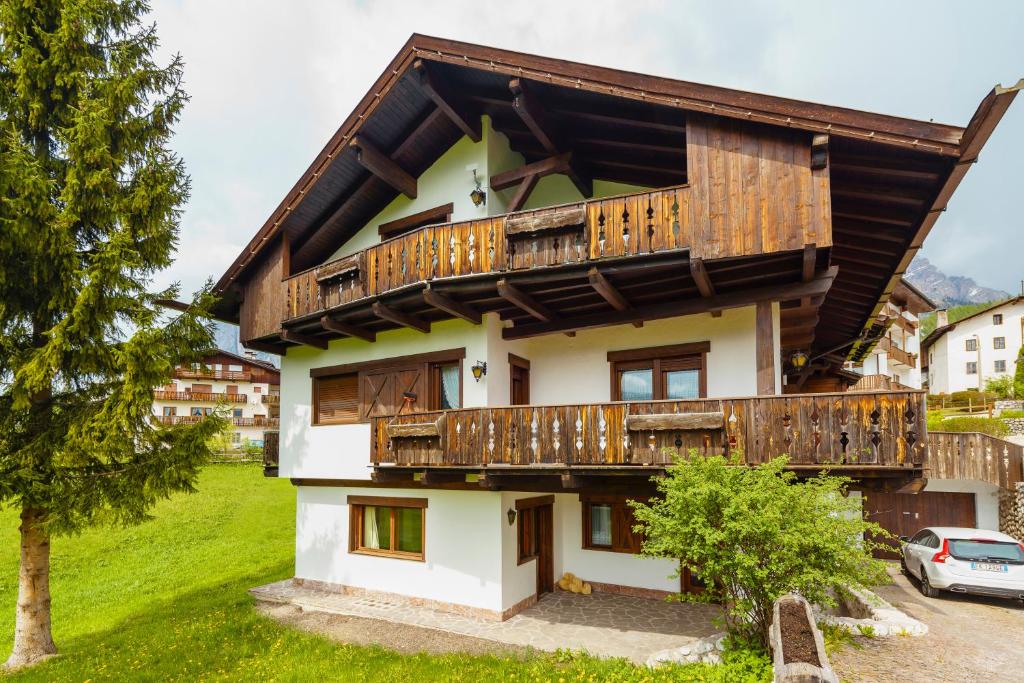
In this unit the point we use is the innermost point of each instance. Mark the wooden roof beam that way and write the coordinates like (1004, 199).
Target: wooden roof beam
(701, 278)
(533, 114)
(378, 163)
(296, 338)
(609, 293)
(524, 301)
(437, 91)
(558, 163)
(450, 305)
(522, 193)
(817, 287)
(400, 318)
(347, 329)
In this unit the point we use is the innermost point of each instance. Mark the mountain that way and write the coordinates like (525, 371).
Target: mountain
(948, 290)
(226, 337)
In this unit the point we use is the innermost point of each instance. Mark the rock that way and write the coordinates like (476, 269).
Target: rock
(706, 650)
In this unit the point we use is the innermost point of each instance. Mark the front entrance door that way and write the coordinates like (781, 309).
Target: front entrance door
(536, 534)
(519, 380)
(904, 514)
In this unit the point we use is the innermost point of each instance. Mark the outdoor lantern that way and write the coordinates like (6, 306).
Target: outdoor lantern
(478, 196)
(511, 516)
(479, 369)
(799, 360)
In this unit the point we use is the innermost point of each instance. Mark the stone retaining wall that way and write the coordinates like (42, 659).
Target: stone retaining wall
(1011, 512)
(1009, 404)
(1016, 425)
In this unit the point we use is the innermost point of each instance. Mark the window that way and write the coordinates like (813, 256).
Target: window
(998, 342)
(997, 318)
(236, 412)
(231, 389)
(665, 372)
(234, 368)
(336, 399)
(1000, 366)
(445, 387)
(971, 344)
(972, 368)
(170, 411)
(391, 527)
(608, 525)
(236, 437)
(257, 390)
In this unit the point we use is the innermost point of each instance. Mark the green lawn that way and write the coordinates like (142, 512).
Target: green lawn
(167, 601)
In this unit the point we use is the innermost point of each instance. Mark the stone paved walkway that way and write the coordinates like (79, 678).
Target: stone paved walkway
(603, 624)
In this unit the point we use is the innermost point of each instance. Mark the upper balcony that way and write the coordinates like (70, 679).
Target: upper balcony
(200, 396)
(629, 258)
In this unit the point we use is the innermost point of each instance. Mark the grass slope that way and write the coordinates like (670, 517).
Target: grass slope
(167, 601)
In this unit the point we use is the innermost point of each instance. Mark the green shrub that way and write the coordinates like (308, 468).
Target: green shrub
(992, 426)
(1001, 386)
(1018, 376)
(754, 534)
(1011, 414)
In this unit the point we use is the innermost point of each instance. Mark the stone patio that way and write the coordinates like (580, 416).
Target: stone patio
(603, 624)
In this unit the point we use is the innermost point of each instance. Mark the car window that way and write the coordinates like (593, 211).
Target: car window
(993, 551)
(918, 537)
(932, 541)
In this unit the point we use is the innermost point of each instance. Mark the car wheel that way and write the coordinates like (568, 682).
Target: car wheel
(926, 586)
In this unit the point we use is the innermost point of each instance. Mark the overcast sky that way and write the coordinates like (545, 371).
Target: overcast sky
(271, 81)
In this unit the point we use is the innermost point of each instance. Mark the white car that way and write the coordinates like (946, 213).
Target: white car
(975, 561)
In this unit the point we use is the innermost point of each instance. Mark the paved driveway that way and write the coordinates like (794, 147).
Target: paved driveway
(969, 639)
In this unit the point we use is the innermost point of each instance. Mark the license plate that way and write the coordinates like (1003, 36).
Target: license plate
(990, 567)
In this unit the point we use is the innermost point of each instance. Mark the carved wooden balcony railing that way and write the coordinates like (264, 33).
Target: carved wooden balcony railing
(628, 225)
(861, 430)
(200, 396)
(271, 399)
(256, 421)
(971, 455)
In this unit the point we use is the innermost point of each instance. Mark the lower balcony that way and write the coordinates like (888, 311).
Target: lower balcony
(868, 435)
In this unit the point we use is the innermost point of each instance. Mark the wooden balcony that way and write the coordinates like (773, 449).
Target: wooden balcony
(210, 373)
(896, 354)
(869, 432)
(879, 383)
(551, 256)
(271, 399)
(200, 396)
(257, 421)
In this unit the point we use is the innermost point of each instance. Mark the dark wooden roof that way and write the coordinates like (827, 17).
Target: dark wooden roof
(891, 176)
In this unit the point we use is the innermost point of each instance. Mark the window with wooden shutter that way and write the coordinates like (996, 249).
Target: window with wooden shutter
(608, 524)
(336, 399)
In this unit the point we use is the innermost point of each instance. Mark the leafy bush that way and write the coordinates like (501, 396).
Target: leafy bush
(992, 426)
(754, 534)
(1011, 414)
(1018, 376)
(1001, 386)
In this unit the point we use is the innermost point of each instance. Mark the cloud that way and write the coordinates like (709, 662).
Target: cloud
(271, 81)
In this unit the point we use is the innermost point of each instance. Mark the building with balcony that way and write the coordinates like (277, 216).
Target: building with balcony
(245, 388)
(511, 289)
(964, 355)
(895, 360)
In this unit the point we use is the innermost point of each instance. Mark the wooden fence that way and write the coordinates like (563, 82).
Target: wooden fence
(972, 455)
(863, 429)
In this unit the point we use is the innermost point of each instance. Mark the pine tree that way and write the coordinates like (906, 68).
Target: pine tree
(89, 210)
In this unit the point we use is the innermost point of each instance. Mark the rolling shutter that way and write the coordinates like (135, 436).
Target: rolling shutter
(337, 399)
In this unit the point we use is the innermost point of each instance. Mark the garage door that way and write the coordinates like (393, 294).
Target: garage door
(905, 514)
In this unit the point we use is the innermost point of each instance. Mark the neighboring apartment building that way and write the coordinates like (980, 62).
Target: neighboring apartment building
(965, 354)
(895, 361)
(246, 387)
(511, 289)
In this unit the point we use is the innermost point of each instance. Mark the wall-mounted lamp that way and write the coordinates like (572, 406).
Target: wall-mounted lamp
(799, 360)
(478, 195)
(479, 369)
(511, 514)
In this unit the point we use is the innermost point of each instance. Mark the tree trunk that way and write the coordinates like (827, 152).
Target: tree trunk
(33, 640)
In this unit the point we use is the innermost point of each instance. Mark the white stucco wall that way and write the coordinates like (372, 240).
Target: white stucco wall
(986, 498)
(470, 553)
(253, 406)
(462, 553)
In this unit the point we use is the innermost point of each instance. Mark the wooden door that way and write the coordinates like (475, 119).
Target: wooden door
(905, 514)
(545, 549)
(519, 381)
